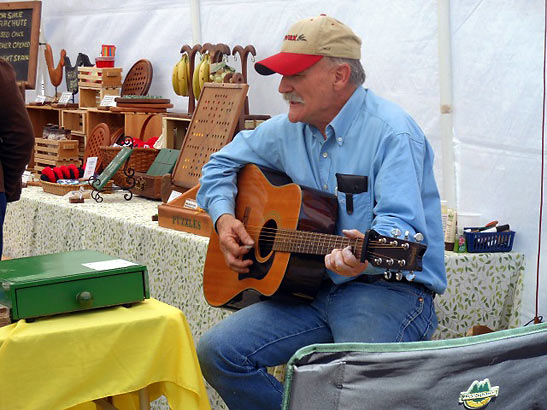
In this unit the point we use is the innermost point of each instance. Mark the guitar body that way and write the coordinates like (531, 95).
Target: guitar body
(266, 202)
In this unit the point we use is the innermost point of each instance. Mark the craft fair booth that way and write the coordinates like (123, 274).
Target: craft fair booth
(131, 118)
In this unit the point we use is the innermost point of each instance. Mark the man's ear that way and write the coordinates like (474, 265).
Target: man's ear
(341, 76)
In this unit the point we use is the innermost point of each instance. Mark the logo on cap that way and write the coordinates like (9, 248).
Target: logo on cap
(478, 394)
(295, 37)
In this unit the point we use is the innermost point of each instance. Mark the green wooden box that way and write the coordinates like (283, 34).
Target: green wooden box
(68, 282)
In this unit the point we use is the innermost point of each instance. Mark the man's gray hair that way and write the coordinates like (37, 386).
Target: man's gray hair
(357, 75)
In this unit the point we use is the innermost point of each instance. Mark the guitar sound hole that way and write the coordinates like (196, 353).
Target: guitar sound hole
(266, 238)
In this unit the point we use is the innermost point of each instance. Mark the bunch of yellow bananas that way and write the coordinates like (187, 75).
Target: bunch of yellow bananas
(180, 76)
(201, 74)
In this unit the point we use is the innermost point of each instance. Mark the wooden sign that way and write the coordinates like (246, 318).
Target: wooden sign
(19, 36)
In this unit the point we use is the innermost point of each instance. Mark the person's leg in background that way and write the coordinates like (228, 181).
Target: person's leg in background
(2, 215)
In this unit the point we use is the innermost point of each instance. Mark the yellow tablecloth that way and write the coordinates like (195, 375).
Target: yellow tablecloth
(68, 360)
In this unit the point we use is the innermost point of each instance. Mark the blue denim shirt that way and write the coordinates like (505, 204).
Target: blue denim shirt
(370, 137)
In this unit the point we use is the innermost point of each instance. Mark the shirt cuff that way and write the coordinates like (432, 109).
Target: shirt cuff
(219, 208)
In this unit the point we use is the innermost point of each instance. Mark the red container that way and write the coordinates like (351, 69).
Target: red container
(104, 62)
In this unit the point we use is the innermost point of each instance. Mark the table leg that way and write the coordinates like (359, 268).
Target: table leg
(144, 399)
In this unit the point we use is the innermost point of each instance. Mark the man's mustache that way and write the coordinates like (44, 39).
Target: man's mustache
(292, 97)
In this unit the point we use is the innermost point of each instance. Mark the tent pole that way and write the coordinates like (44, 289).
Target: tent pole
(196, 23)
(446, 121)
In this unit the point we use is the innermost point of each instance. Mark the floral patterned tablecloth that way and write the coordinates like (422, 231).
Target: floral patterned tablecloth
(482, 288)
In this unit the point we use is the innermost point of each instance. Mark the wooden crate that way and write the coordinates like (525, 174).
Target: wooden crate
(55, 153)
(91, 97)
(92, 77)
(74, 120)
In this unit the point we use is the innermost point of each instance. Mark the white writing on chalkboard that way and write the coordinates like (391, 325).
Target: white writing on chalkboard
(13, 58)
(19, 33)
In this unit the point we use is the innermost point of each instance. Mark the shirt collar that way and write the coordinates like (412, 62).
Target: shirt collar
(343, 120)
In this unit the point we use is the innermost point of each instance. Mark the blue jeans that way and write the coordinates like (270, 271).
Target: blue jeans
(234, 353)
(2, 215)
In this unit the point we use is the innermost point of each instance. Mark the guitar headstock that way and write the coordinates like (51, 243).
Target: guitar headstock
(394, 254)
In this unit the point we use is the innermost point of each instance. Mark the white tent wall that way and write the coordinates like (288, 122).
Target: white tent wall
(497, 78)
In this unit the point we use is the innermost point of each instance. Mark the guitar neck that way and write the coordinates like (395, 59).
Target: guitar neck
(314, 243)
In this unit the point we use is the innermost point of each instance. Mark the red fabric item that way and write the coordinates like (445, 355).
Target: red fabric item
(65, 171)
(150, 142)
(58, 173)
(50, 175)
(74, 171)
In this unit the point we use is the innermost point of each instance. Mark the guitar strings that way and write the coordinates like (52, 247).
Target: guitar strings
(271, 234)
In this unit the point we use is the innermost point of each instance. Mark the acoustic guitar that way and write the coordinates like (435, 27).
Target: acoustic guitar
(293, 229)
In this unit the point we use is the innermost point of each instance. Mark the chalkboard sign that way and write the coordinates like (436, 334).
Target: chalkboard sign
(19, 36)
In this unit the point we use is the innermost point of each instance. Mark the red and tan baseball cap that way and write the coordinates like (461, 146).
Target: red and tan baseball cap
(309, 40)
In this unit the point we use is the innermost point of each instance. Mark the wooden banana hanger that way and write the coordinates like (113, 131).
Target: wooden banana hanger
(243, 54)
(191, 51)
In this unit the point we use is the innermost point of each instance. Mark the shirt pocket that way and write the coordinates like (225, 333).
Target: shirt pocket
(354, 201)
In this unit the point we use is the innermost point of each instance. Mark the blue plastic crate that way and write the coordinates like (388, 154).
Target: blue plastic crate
(489, 241)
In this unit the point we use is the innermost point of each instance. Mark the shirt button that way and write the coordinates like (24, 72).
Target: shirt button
(325, 186)
(339, 139)
(325, 155)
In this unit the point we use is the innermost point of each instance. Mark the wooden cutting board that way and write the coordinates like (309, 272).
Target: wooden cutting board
(142, 100)
(126, 105)
(139, 109)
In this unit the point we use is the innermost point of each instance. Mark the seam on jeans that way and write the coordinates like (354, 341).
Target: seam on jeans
(412, 316)
(247, 361)
(426, 335)
(264, 373)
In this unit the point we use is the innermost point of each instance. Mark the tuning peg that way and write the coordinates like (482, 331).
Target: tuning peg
(418, 237)
(390, 262)
(407, 233)
(396, 232)
(410, 276)
(377, 261)
(387, 274)
(398, 276)
(401, 262)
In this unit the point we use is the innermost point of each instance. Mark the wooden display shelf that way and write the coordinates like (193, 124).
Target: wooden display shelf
(56, 149)
(40, 115)
(74, 120)
(91, 97)
(174, 129)
(132, 123)
(55, 153)
(93, 77)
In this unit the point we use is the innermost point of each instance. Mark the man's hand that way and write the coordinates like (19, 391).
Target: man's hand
(235, 242)
(343, 261)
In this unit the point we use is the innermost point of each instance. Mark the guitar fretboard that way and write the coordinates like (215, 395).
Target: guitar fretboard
(313, 243)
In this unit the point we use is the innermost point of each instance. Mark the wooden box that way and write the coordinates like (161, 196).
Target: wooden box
(93, 77)
(181, 214)
(68, 282)
(147, 186)
(149, 183)
(74, 120)
(91, 97)
(55, 153)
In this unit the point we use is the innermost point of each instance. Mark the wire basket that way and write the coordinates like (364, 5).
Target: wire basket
(489, 241)
(140, 160)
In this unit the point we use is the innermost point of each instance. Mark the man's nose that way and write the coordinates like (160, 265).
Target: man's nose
(285, 85)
